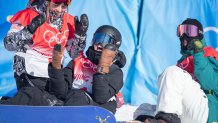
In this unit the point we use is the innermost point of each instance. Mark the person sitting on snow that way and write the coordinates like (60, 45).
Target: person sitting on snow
(33, 35)
(92, 80)
(188, 92)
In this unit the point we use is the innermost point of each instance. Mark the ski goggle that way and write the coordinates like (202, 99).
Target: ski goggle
(189, 30)
(103, 39)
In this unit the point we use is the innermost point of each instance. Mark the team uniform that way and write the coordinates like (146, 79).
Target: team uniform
(81, 82)
(188, 92)
(77, 81)
(33, 40)
(191, 101)
(36, 57)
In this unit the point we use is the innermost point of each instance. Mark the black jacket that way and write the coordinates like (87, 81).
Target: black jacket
(104, 86)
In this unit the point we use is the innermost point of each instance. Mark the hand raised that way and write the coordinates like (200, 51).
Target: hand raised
(82, 25)
(36, 22)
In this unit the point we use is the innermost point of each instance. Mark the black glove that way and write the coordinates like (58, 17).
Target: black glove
(82, 25)
(36, 22)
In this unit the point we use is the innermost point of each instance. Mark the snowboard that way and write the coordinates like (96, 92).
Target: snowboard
(55, 114)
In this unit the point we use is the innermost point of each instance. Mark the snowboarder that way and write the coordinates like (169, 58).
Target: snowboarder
(92, 80)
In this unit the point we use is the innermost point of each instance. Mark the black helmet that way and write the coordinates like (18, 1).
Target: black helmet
(197, 30)
(107, 34)
(193, 22)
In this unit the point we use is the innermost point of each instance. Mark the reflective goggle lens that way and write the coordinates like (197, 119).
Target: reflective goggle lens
(189, 30)
(101, 38)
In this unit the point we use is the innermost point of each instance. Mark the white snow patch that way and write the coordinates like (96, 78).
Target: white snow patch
(125, 113)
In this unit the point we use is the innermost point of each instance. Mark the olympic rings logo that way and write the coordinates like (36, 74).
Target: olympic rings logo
(58, 38)
(88, 64)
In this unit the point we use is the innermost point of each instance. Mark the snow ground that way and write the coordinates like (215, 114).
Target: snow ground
(125, 113)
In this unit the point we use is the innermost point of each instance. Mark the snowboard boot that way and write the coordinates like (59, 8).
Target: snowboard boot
(162, 117)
